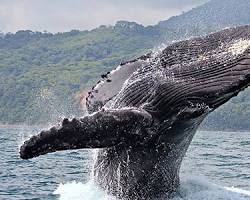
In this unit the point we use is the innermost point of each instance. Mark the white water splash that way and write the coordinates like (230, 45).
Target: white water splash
(191, 189)
(238, 190)
(80, 191)
(201, 189)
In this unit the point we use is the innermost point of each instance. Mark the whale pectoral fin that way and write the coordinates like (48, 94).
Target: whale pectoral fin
(100, 130)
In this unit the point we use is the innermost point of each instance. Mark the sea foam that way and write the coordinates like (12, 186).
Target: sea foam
(191, 188)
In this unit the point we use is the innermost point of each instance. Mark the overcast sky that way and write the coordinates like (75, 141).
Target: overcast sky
(65, 15)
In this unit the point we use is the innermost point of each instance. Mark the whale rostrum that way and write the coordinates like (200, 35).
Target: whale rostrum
(144, 114)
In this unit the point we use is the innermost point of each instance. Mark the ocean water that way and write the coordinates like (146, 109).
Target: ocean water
(217, 167)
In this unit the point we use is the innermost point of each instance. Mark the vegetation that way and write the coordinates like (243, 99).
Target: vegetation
(43, 74)
(40, 67)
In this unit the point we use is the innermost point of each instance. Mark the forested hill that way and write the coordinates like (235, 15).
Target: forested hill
(43, 74)
(216, 14)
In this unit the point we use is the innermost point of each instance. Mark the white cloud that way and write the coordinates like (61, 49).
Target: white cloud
(65, 15)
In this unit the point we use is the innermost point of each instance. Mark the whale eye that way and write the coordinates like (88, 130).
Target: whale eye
(94, 106)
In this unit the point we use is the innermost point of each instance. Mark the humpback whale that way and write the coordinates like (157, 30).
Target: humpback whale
(144, 114)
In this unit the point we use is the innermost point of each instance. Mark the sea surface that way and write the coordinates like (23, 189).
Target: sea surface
(217, 167)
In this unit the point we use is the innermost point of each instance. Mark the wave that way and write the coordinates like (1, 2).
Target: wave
(81, 191)
(191, 188)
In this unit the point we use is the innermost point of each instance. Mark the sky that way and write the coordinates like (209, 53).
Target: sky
(65, 15)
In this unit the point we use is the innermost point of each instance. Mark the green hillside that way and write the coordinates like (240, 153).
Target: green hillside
(38, 67)
(42, 74)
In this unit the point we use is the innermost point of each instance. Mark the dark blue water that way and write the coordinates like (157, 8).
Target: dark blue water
(215, 160)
